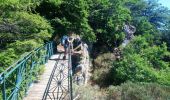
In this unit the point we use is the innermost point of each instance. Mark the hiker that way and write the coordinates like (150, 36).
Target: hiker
(77, 45)
(65, 41)
(65, 44)
(77, 51)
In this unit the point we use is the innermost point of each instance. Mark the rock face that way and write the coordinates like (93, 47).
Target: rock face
(129, 30)
(129, 33)
(118, 54)
(81, 70)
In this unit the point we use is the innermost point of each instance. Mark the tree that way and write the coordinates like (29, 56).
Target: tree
(20, 30)
(66, 15)
(165, 36)
(107, 18)
(148, 15)
(17, 5)
(143, 61)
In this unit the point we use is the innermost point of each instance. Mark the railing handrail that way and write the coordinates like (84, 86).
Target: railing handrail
(19, 61)
(19, 68)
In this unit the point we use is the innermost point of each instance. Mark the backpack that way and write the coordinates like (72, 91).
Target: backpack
(64, 40)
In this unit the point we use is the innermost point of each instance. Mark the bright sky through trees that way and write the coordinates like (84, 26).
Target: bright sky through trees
(165, 3)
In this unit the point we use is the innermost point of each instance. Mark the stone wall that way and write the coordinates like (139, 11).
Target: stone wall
(81, 72)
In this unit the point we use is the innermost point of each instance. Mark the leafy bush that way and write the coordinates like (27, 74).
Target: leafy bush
(23, 26)
(68, 15)
(88, 93)
(29, 30)
(31, 23)
(21, 47)
(41, 69)
(38, 70)
(7, 58)
(102, 66)
(15, 51)
(14, 5)
(21, 30)
(126, 91)
(104, 60)
(166, 37)
(134, 68)
(142, 61)
(138, 91)
(25, 23)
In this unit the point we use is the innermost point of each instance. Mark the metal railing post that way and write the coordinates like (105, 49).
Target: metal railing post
(70, 71)
(46, 55)
(51, 49)
(3, 87)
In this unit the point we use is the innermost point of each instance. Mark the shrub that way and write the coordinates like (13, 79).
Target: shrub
(14, 5)
(134, 68)
(24, 25)
(88, 93)
(21, 47)
(102, 67)
(142, 61)
(7, 58)
(104, 60)
(41, 69)
(126, 91)
(138, 91)
(31, 23)
(15, 51)
(27, 23)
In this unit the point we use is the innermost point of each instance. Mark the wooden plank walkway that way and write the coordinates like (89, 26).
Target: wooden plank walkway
(53, 84)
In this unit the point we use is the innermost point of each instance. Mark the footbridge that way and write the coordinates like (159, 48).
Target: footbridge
(40, 75)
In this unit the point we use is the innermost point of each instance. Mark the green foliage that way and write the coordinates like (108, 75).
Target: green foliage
(150, 10)
(17, 22)
(21, 31)
(90, 19)
(134, 68)
(138, 91)
(126, 91)
(7, 58)
(25, 23)
(15, 51)
(104, 60)
(41, 69)
(68, 15)
(31, 69)
(142, 62)
(38, 70)
(149, 16)
(165, 37)
(107, 18)
(31, 23)
(15, 5)
(146, 48)
(101, 69)
(143, 26)
(24, 46)
(88, 92)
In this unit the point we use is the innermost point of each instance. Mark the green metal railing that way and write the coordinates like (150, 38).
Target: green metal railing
(15, 81)
(70, 72)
